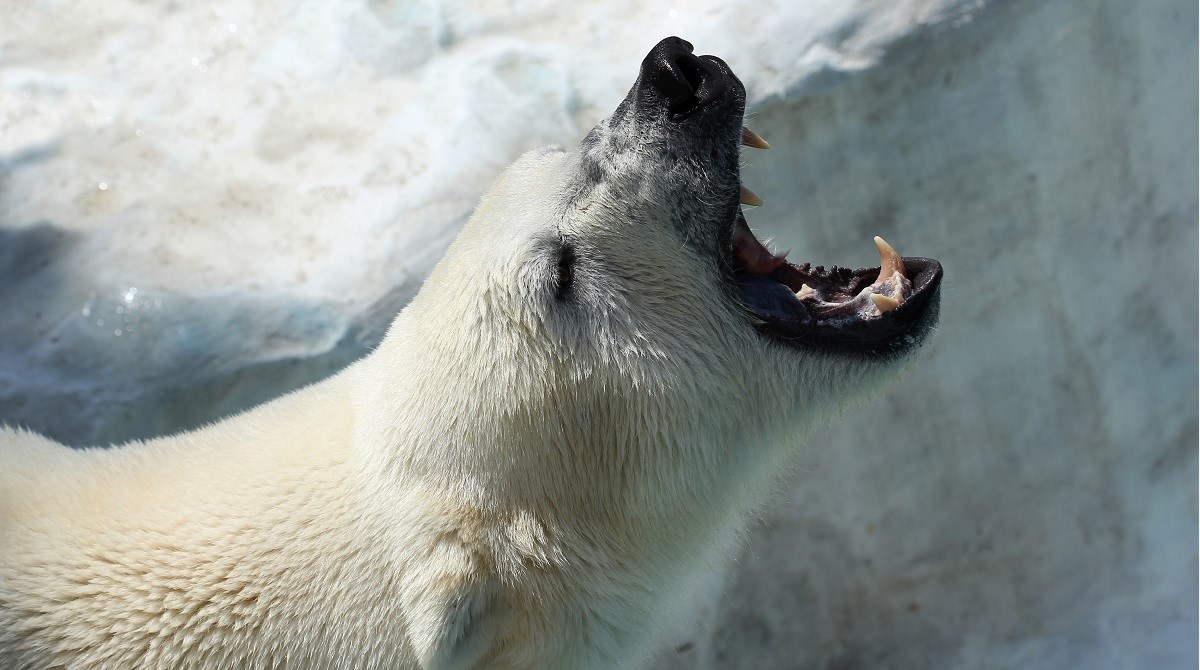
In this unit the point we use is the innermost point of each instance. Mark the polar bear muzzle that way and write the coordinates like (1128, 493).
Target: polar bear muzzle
(680, 130)
(870, 310)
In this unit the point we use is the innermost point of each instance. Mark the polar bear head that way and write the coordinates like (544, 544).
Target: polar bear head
(606, 330)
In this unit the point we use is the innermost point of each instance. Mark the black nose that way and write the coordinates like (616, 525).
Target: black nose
(680, 80)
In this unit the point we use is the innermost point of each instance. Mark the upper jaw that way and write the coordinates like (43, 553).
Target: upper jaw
(677, 128)
(696, 104)
(678, 132)
(683, 109)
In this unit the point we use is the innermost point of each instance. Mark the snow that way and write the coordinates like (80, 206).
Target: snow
(205, 205)
(194, 190)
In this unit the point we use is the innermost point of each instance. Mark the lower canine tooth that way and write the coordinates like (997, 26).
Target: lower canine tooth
(884, 303)
(805, 291)
(889, 261)
(748, 198)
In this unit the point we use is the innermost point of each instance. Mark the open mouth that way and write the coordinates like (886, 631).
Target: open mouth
(867, 310)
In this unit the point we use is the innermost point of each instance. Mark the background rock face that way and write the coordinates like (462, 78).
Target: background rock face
(203, 208)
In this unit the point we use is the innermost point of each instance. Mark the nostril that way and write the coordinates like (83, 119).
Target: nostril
(689, 66)
(661, 70)
(704, 81)
(671, 73)
(676, 43)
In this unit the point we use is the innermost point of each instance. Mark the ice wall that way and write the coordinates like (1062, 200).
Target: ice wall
(201, 207)
(1026, 497)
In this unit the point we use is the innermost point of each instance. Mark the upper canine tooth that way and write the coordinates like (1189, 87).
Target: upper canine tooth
(885, 303)
(752, 139)
(889, 261)
(748, 198)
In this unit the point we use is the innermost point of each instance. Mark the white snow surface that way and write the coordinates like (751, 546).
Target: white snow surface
(205, 205)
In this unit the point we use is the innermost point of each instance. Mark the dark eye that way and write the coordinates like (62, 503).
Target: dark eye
(566, 270)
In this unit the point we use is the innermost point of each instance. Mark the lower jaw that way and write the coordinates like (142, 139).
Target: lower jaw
(866, 310)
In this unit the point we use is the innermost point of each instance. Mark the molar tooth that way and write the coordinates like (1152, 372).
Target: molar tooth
(748, 198)
(752, 139)
(889, 261)
(884, 303)
(805, 291)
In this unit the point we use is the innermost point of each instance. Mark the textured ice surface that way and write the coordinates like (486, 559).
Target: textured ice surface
(1026, 496)
(201, 208)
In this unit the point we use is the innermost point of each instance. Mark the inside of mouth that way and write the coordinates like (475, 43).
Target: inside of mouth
(774, 288)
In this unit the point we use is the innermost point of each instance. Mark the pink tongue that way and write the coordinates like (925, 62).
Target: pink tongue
(750, 253)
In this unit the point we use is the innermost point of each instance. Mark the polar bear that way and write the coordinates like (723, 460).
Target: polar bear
(562, 429)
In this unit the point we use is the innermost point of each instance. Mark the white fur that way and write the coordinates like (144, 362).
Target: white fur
(508, 481)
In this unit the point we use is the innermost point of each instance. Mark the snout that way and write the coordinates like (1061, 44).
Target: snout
(673, 146)
(675, 82)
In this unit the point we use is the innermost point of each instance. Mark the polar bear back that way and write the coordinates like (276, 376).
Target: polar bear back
(186, 547)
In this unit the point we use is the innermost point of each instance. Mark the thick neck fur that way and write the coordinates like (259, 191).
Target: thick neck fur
(600, 467)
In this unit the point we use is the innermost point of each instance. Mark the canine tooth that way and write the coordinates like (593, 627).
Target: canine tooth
(752, 139)
(889, 261)
(805, 291)
(884, 303)
(748, 198)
